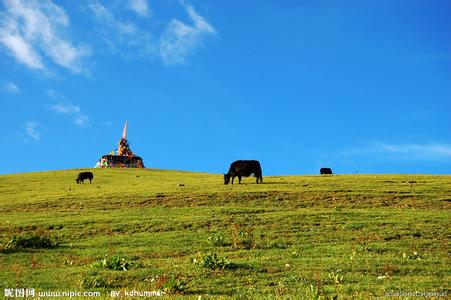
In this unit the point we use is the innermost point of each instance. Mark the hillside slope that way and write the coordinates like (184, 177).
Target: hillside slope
(339, 235)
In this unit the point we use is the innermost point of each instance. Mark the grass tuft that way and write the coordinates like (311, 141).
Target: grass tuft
(212, 261)
(32, 240)
(118, 262)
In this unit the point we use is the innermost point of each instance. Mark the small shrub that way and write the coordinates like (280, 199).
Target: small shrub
(315, 291)
(242, 238)
(94, 281)
(217, 240)
(55, 227)
(116, 262)
(296, 253)
(286, 285)
(335, 277)
(171, 284)
(414, 255)
(276, 245)
(30, 240)
(212, 261)
(389, 270)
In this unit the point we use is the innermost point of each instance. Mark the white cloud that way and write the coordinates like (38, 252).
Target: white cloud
(431, 149)
(140, 7)
(176, 42)
(104, 15)
(36, 33)
(21, 49)
(52, 94)
(31, 129)
(404, 151)
(71, 111)
(180, 40)
(64, 108)
(107, 18)
(12, 88)
(34, 30)
(116, 32)
(81, 120)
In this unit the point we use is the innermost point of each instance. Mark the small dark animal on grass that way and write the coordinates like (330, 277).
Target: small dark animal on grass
(84, 175)
(325, 171)
(244, 168)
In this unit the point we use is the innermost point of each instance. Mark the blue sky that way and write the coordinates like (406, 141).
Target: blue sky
(358, 86)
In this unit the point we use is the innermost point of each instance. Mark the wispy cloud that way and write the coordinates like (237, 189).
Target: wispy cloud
(119, 33)
(22, 50)
(71, 111)
(180, 40)
(173, 45)
(140, 7)
(52, 94)
(37, 33)
(11, 88)
(63, 107)
(428, 149)
(81, 120)
(404, 151)
(33, 31)
(32, 130)
(106, 17)
(107, 123)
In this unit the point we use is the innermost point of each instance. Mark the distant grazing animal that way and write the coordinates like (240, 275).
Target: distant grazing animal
(244, 168)
(180, 185)
(324, 171)
(84, 175)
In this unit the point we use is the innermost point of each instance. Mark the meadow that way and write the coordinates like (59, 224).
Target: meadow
(302, 236)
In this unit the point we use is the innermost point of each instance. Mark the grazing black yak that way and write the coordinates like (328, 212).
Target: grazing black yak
(244, 168)
(324, 171)
(84, 175)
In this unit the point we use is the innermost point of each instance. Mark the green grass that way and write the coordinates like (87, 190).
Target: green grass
(307, 236)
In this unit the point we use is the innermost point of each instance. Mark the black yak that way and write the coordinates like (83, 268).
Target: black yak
(244, 168)
(324, 171)
(84, 175)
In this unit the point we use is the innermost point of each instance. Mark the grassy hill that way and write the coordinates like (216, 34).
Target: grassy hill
(311, 236)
